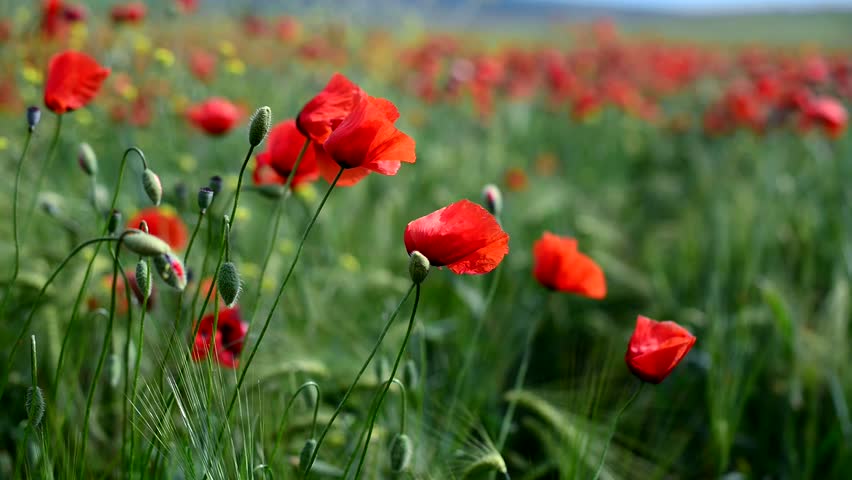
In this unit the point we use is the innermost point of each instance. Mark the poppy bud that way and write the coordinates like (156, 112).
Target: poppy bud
(205, 198)
(142, 279)
(492, 199)
(307, 453)
(33, 117)
(49, 202)
(145, 244)
(114, 222)
(152, 185)
(400, 453)
(143, 225)
(87, 159)
(171, 270)
(228, 283)
(216, 184)
(418, 267)
(259, 127)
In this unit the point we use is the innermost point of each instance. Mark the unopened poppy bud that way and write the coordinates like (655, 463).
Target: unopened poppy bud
(171, 270)
(216, 184)
(259, 127)
(205, 198)
(35, 405)
(114, 222)
(145, 244)
(228, 283)
(49, 203)
(418, 267)
(33, 117)
(307, 453)
(87, 159)
(400, 453)
(142, 279)
(143, 225)
(492, 199)
(152, 185)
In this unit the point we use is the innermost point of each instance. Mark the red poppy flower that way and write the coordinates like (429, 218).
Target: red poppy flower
(74, 13)
(228, 339)
(187, 6)
(367, 141)
(516, 179)
(462, 236)
(828, 113)
(121, 296)
(133, 12)
(163, 222)
(52, 21)
(73, 80)
(560, 266)
(320, 116)
(282, 149)
(656, 348)
(202, 65)
(216, 116)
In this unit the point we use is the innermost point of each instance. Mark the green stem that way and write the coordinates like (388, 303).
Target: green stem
(192, 238)
(612, 428)
(286, 413)
(74, 311)
(16, 265)
(388, 384)
(51, 152)
(519, 382)
(245, 367)
(357, 377)
(140, 341)
(102, 357)
(239, 185)
(28, 321)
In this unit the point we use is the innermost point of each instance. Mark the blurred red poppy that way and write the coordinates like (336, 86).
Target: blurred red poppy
(828, 113)
(282, 149)
(163, 222)
(656, 348)
(52, 22)
(560, 266)
(73, 80)
(367, 141)
(132, 12)
(215, 116)
(463, 237)
(187, 6)
(323, 113)
(227, 340)
(202, 65)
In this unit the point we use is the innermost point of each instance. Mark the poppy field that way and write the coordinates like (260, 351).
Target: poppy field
(244, 243)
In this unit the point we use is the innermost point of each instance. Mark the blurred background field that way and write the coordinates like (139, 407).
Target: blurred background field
(691, 153)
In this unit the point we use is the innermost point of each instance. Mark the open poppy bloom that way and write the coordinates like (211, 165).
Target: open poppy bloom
(828, 113)
(320, 116)
(282, 149)
(656, 348)
(133, 12)
(227, 341)
(463, 237)
(163, 222)
(215, 116)
(73, 80)
(560, 266)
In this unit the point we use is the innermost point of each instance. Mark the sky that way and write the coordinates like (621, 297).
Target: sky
(704, 5)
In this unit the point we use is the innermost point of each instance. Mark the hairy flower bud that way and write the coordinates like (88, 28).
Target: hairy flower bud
(171, 270)
(114, 222)
(307, 453)
(205, 198)
(216, 184)
(35, 405)
(33, 117)
(153, 186)
(418, 267)
(400, 453)
(142, 279)
(492, 199)
(87, 159)
(259, 127)
(145, 244)
(228, 283)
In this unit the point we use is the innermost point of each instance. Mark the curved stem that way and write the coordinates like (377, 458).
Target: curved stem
(387, 386)
(284, 416)
(192, 238)
(239, 185)
(612, 428)
(102, 357)
(298, 253)
(28, 321)
(357, 377)
(363, 432)
(16, 264)
(74, 311)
